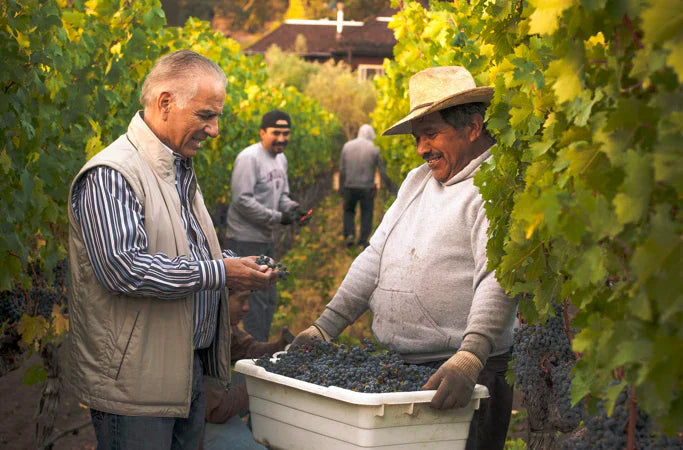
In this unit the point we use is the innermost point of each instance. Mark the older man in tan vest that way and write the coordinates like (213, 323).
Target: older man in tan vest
(148, 304)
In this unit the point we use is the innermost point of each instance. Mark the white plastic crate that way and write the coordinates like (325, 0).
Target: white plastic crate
(289, 414)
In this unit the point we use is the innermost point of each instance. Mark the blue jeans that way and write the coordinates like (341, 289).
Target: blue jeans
(261, 303)
(231, 435)
(114, 432)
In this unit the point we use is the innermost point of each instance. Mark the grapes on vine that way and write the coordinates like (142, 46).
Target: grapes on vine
(608, 432)
(358, 368)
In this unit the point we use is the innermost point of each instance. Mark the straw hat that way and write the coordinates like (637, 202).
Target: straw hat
(438, 88)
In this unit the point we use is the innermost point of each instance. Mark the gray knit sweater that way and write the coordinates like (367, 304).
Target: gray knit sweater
(424, 275)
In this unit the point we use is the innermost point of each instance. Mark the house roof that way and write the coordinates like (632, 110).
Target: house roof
(372, 37)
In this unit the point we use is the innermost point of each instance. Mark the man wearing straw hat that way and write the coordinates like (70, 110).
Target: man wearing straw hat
(424, 274)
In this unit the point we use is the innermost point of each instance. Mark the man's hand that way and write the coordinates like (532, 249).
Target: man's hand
(454, 381)
(310, 335)
(288, 217)
(245, 274)
(286, 336)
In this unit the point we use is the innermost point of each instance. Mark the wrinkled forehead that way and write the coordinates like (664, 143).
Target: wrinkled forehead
(428, 122)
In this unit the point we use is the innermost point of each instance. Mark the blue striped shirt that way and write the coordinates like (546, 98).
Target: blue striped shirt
(112, 220)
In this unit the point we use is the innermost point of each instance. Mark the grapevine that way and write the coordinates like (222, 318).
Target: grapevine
(358, 368)
(583, 188)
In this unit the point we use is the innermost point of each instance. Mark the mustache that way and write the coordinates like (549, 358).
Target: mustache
(431, 155)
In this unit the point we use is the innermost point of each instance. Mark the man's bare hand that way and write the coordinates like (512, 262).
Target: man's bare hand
(245, 274)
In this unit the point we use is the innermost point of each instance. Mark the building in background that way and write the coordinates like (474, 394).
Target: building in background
(361, 45)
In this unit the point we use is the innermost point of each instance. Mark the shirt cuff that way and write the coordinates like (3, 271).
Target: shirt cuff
(211, 275)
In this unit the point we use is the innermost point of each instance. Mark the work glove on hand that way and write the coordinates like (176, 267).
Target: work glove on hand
(288, 217)
(310, 335)
(454, 381)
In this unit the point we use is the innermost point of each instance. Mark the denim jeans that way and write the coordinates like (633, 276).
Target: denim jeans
(231, 435)
(352, 196)
(114, 432)
(261, 303)
(489, 425)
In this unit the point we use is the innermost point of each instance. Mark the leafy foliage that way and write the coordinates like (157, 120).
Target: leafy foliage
(333, 85)
(583, 190)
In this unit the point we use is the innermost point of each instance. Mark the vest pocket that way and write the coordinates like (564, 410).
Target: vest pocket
(121, 346)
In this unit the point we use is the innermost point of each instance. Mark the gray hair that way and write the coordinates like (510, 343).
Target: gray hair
(178, 73)
(459, 116)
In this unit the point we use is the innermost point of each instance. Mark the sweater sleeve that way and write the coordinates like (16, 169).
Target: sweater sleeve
(244, 177)
(285, 203)
(222, 404)
(492, 311)
(243, 345)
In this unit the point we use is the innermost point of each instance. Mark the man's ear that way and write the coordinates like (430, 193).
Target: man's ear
(476, 127)
(163, 104)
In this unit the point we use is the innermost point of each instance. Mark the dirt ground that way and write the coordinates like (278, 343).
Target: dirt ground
(18, 406)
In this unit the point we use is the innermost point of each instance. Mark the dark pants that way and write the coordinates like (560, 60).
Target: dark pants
(489, 425)
(114, 432)
(261, 303)
(352, 196)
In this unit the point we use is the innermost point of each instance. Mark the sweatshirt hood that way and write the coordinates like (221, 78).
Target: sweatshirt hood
(366, 132)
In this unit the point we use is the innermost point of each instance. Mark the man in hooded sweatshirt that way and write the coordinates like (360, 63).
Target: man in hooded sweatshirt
(359, 160)
(424, 275)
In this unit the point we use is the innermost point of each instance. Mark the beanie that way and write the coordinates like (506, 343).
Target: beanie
(271, 119)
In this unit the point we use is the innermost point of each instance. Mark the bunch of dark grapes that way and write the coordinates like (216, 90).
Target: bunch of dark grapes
(358, 368)
(610, 432)
(270, 262)
(542, 362)
(13, 303)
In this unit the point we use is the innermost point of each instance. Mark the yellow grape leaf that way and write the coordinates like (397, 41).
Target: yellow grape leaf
(675, 58)
(59, 322)
(567, 84)
(116, 49)
(530, 229)
(32, 328)
(545, 18)
(596, 39)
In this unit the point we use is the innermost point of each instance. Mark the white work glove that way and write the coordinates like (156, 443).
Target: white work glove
(310, 335)
(454, 381)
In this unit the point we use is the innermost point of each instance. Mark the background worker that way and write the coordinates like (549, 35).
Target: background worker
(359, 160)
(424, 275)
(260, 201)
(225, 428)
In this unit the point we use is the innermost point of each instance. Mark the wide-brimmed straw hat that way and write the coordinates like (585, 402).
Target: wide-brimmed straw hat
(438, 88)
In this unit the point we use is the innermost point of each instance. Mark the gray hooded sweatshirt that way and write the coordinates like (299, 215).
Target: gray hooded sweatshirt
(359, 159)
(424, 275)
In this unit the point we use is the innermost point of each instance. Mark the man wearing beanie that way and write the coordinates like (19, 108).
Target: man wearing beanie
(260, 201)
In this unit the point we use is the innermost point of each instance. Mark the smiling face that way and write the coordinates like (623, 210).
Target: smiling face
(185, 128)
(275, 140)
(447, 150)
(239, 306)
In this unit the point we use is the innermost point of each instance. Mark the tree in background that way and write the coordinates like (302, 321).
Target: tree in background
(364, 9)
(252, 16)
(339, 90)
(289, 69)
(333, 85)
(178, 11)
